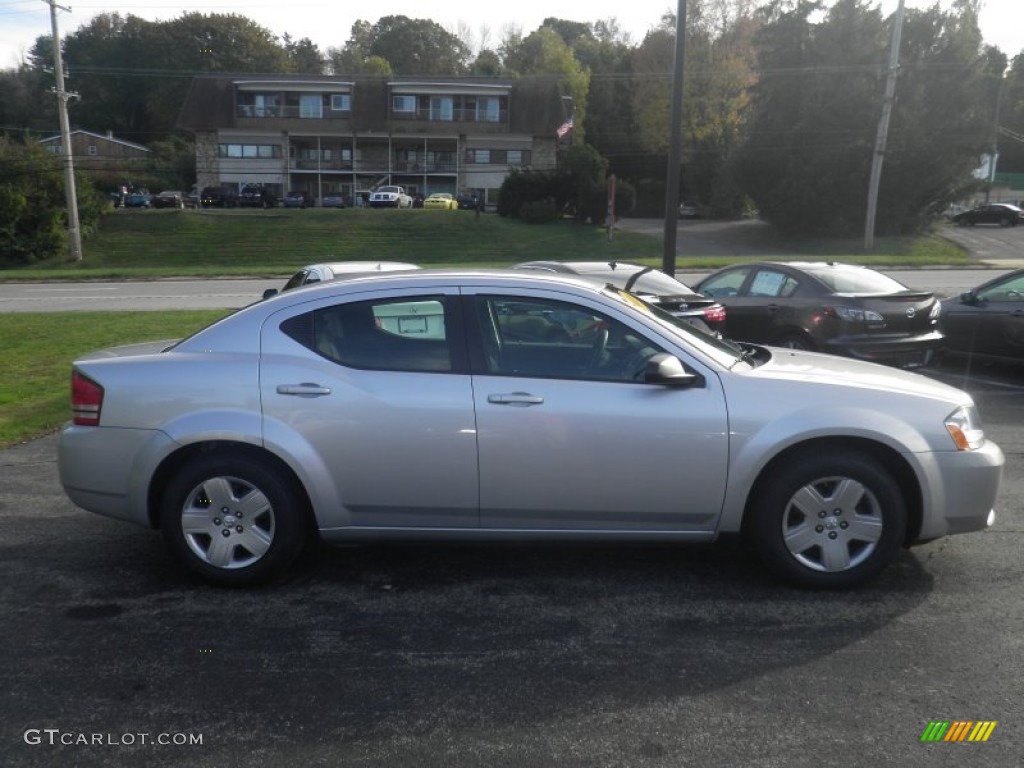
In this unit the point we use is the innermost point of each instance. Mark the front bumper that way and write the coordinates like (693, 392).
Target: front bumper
(960, 491)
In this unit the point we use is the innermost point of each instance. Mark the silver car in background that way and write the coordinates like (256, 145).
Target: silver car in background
(513, 405)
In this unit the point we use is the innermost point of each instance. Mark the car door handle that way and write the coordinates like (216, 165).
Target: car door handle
(518, 399)
(305, 389)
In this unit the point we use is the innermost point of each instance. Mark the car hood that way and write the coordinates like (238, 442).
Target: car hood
(842, 372)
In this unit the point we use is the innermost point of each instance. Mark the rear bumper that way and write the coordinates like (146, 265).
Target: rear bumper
(106, 470)
(904, 351)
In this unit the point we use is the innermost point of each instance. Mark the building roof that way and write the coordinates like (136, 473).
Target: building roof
(109, 137)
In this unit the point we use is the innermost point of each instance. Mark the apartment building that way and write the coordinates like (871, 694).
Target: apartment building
(348, 135)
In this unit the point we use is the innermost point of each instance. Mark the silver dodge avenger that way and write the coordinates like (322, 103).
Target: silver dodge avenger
(503, 405)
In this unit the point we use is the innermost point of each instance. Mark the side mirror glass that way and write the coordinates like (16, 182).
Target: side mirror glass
(269, 292)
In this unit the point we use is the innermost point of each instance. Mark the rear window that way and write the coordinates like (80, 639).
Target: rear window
(857, 281)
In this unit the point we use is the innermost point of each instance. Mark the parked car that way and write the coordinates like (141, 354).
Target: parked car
(318, 273)
(334, 200)
(689, 210)
(297, 198)
(441, 201)
(421, 405)
(139, 198)
(648, 283)
(390, 197)
(467, 200)
(843, 309)
(987, 322)
(170, 198)
(218, 197)
(1003, 214)
(256, 196)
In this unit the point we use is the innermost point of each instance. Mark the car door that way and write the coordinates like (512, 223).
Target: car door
(569, 439)
(373, 396)
(991, 322)
(762, 304)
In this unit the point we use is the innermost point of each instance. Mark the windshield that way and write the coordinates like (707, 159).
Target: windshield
(726, 353)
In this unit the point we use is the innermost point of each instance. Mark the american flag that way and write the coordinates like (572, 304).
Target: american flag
(564, 128)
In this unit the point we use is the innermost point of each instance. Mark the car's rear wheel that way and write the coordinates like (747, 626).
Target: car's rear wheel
(236, 520)
(796, 341)
(829, 519)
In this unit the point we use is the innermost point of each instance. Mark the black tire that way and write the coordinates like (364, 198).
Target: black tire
(260, 520)
(829, 519)
(796, 341)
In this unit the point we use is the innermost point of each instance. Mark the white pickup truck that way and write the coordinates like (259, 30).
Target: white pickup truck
(390, 197)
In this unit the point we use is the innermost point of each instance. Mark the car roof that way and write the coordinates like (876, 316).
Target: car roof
(363, 266)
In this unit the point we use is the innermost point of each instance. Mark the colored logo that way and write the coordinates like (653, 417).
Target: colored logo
(958, 730)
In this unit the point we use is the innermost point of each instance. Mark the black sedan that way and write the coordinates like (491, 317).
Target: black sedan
(828, 307)
(987, 322)
(650, 284)
(1003, 214)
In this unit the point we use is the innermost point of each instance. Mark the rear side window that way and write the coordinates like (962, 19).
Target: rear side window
(406, 334)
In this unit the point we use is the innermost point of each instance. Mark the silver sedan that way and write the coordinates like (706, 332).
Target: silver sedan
(503, 405)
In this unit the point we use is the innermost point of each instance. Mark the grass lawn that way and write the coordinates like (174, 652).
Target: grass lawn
(148, 243)
(38, 350)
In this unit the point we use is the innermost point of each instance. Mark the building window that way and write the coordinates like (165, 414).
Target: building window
(249, 151)
(403, 103)
(92, 150)
(517, 157)
(487, 110)
(479, 156)
(259, 104)
(341, 102)
(442, 108)
(311, 105)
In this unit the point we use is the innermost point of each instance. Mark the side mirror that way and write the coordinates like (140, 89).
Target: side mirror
(969, 298)
(269, 292)
(666, 369)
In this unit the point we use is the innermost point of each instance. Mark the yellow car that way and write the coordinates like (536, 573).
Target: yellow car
(442, 201)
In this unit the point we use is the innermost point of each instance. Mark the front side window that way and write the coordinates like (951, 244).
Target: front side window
(404, 334)
(1008, 290)
(725, 284)
(552, 339)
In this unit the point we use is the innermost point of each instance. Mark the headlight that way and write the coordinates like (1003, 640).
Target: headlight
(936, 311)
(964, 426)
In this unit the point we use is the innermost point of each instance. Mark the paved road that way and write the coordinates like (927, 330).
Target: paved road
(504, 657)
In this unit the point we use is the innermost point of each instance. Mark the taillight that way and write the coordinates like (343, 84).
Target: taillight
(715, 314)
(86, 400)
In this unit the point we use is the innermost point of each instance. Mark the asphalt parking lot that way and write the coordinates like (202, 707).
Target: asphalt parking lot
(502, 656)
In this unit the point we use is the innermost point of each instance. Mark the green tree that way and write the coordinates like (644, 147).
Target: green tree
(33, 224)
(409, 46)
(544, 52)
(815, 111)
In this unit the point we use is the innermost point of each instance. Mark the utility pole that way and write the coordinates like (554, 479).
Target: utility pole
(883, 129)
(668, 257)
(74, 232)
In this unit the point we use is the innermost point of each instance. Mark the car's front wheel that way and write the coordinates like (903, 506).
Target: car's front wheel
(236, 520)
(829, 519)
